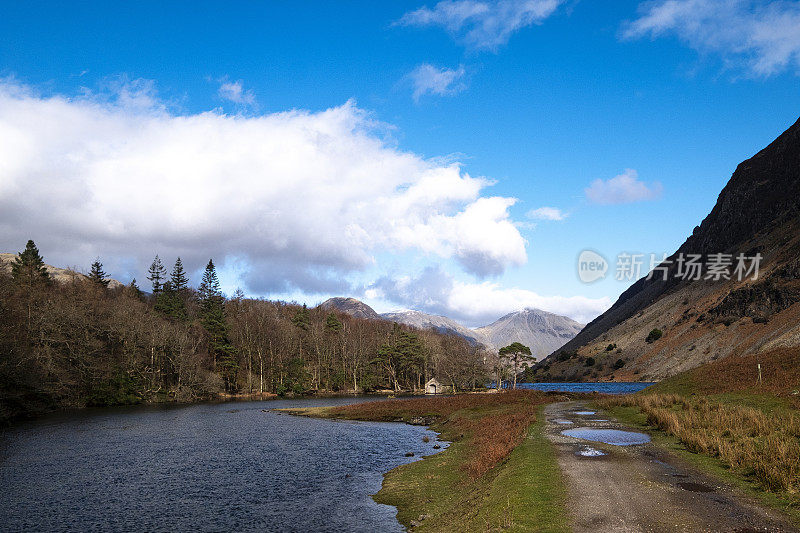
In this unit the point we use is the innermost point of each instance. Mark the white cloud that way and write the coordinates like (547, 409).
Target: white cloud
(478, 304)
(763, 37)
(622, 189)
(547, 213)
(303, 198)
(234, 91)
(482, 24)
(428, 79)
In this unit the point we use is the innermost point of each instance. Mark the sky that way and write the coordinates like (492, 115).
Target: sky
(454, 157)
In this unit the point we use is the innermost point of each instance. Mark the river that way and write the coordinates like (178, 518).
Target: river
(206, 467)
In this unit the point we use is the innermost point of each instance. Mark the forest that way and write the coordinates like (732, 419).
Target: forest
(80, 342)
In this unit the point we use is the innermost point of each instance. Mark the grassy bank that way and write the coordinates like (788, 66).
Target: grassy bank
(749, 431)
(499, 472)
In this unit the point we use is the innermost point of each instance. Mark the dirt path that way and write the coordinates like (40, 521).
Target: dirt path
(642, 488)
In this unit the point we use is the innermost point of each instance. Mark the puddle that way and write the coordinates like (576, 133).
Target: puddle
(585, 412)
(590, 452)
(694, 487)
(608, 436)
(598, 420)
(561, 421)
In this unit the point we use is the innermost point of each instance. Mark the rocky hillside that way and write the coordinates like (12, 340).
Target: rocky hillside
(442, 324)
(542, 332)
(60, 275)
(351, 306)
(758, 211)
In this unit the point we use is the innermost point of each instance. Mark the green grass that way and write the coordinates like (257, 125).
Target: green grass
(523, 493)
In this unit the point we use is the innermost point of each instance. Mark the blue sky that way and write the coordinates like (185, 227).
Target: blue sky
(539, 98)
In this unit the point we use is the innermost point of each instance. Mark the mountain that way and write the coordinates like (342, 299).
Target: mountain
(542, 332)
(757, 212)
(351, 306)
(60, 275)
(442, 324)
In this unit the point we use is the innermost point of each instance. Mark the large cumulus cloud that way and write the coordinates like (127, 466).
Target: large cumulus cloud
(301, 198)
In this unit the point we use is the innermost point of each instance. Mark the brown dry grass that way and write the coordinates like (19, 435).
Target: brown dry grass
(494, 423)
(780, 369)
(749, 441)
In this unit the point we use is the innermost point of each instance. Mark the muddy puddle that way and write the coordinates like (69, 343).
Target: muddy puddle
(608, 436)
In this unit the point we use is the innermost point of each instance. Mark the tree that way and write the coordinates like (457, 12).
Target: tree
(96, 274)
(517, 355)
(134, 289)
(212, 305)
(209, 286)
(28, 267)
(333, 324)
(180, 282)
(653, 336)
(157, 274)
(302, 319)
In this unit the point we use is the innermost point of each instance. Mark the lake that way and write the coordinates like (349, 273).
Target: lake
(206, 467)
(609, 387)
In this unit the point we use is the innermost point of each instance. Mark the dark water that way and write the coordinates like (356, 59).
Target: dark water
(216, 467)
(604, 387)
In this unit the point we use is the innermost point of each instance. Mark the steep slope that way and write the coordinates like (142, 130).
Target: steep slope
(351, 306)
(758, 211)
(60, 275)
(542, 332)
(442, 324)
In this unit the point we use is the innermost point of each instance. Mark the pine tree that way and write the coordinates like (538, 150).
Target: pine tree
(212, 309)
(180, 282)
(169, 302)
(134, 288)
(157, 274)
(302, 318)
(96, 275)
(333, 324)
(209, 287)
(28, 267)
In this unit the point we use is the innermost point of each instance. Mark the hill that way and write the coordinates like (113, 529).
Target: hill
(440, 324)
(542, 332)
(702, 320)
(59, 275)
(350, 306)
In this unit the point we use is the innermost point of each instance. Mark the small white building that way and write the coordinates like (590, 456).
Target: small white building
(433, 387)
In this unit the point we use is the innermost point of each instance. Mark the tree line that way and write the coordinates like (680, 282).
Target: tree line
(80, 342)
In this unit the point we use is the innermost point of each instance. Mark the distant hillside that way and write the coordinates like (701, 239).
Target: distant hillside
(542, 332)
(351, 306)
(60, 275)
(758, 211)
(442, 324)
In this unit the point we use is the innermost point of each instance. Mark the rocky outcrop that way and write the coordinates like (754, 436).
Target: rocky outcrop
(350, 306)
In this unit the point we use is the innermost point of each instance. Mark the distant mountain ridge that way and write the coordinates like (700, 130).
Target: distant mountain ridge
(543, 332)
(439, 323)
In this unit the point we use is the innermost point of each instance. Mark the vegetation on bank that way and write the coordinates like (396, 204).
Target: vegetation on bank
(749, 427)
(86, 342)
(499, 472)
